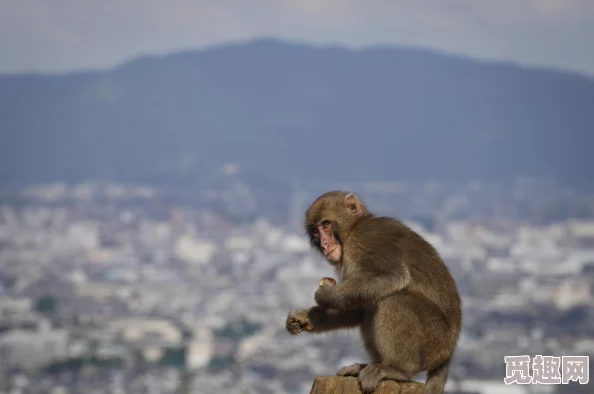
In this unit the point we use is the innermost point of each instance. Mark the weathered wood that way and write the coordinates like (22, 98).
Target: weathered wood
(349, 385)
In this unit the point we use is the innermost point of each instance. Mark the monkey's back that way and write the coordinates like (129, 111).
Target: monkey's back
(385, 245)
(419, 325)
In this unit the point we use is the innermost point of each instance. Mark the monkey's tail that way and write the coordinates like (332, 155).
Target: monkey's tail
(436, 379)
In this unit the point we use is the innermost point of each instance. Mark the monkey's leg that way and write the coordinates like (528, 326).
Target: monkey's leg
(392, 335)
(372, 374)
(403, 327)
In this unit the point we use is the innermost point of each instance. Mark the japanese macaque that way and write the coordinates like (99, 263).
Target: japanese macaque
(392, 284)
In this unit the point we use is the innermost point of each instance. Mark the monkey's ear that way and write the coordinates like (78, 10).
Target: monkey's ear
(354, 205)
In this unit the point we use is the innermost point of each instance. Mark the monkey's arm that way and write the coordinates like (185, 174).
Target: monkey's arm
(317, 319)
(331, 319)
(360, 290)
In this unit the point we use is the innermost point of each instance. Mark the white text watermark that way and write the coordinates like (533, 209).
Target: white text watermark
(546, 369)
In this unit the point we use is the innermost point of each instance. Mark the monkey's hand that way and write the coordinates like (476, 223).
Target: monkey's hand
(327, 297)
(298, 321)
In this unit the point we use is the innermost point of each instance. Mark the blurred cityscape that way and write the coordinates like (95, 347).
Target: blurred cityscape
(109, 288)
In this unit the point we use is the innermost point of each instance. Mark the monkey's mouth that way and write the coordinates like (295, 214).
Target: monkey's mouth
(334, 255)
(328, 253)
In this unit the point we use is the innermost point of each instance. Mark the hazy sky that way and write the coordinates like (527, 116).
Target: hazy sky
(52, 35)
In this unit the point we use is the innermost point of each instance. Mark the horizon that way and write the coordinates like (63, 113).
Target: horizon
(301, 43)
(69, 36)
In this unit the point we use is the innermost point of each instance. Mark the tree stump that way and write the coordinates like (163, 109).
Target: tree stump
(349, 385)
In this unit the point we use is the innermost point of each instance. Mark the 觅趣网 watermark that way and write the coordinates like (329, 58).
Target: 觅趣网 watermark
(546, 369)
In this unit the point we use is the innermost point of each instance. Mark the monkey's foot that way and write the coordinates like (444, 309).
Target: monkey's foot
(372, 374)
(351, 370)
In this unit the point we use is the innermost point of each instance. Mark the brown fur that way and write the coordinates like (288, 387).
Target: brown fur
(392, 284)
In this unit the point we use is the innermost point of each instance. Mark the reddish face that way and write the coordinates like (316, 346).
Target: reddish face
(328, 244)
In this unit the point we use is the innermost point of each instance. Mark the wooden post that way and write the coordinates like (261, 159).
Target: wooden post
(349, 385)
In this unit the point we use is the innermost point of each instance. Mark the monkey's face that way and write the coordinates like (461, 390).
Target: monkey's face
(329, 219)
(324, 237)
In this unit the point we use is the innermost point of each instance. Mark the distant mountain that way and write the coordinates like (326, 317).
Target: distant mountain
(286, 110)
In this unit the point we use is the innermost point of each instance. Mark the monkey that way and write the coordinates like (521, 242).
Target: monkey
(392, 285)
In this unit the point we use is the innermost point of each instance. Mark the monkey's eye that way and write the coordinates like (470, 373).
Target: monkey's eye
(326, 223)
(314, 233)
